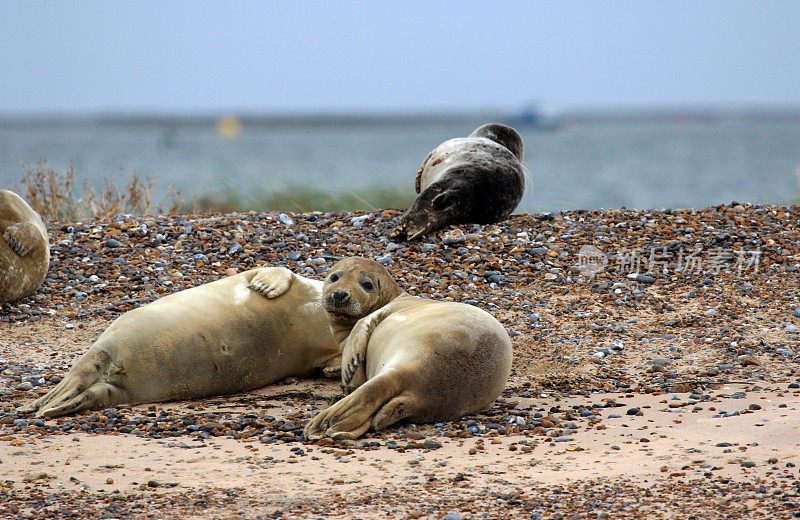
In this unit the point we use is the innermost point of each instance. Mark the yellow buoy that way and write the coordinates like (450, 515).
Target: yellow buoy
(229, 127)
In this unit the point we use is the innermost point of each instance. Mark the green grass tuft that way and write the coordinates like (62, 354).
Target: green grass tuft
(298, 199)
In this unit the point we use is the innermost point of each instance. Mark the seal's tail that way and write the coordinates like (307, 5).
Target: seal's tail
(83, 388)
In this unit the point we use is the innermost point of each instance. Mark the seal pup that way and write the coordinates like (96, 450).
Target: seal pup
(24, 248)
(232, 335)
(478, 179)
(405, 357)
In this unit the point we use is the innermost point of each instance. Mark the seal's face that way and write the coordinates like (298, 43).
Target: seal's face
(435, 208)
(355, 287)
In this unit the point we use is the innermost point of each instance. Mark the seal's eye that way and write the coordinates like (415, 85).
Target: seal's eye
(334, 277)
(367, 285)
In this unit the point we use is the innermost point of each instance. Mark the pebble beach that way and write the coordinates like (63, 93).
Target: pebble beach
(656, 373)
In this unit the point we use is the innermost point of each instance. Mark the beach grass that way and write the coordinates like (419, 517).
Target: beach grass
(55, 194)
(301, 199)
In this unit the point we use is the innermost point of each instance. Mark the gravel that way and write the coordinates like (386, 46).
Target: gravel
(521, 271)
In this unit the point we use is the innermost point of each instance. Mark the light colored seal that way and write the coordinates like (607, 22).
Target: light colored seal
(477, 179)
(236, 334)
(405, 357)
(24, 248)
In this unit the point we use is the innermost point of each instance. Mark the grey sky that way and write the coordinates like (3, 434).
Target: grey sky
(188, 56)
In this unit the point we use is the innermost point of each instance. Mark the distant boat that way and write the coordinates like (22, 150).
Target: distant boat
(534, 118)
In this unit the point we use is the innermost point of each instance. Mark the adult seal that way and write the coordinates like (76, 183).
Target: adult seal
(478, 179)
(405, 357)
(236, 334)
(24, 249)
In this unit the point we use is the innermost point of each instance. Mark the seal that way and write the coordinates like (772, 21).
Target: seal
(406, 358)
(24, 249)
(232, 335)
(478, 179)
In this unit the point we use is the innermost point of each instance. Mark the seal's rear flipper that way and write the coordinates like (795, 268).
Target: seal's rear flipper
(397, 409)
(83, 388)
(99, 395)
(22, 237)
(352, 416)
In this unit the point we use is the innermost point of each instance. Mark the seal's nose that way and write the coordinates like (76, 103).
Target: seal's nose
(340, 296)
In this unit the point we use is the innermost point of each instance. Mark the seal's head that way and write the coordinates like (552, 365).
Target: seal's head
(435, 208)
(356, 287)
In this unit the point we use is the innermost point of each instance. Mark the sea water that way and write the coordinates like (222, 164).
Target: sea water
(677, 162)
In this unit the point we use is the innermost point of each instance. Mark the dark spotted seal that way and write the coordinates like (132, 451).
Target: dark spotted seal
(478, 179)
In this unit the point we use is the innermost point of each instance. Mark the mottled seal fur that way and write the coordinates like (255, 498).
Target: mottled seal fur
(478, 179)
(236, 334)
(24, 248)
(406, 358)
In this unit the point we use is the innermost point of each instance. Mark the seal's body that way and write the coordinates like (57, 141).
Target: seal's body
(24, 249)
(218, 338)
(406, 357)
(478, 179)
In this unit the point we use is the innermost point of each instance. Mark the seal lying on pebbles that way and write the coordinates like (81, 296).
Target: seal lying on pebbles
(407, 358)
(217, 338)
(24, 248)
(478, 179)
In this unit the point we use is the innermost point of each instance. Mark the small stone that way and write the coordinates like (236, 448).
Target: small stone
(643, 278)
(633, 411)
(430, 444)
(796, 313)
(454, 237)
(748, 464)
(25, 386)
(113, 243)
(153, 483)
(359, 221)
(286, 219)
(749, 361)
(109, 481)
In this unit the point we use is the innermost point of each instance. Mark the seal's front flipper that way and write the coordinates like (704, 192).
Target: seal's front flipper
(271, 282)
(333, 368)
(418, 180)
(354, 351)
(22, 237)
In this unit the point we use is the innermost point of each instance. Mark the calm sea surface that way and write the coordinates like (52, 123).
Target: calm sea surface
(667, 162)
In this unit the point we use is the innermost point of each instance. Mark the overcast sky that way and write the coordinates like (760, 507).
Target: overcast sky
(261, 56)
